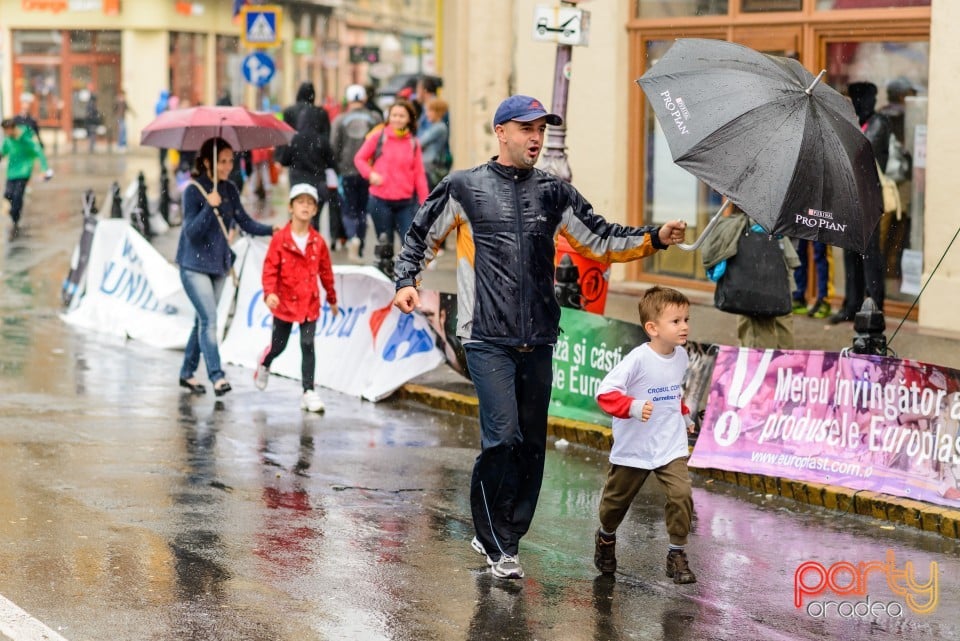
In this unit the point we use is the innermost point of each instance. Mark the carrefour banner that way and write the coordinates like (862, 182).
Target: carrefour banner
(128, 290)
(862, 422)
(368, 350)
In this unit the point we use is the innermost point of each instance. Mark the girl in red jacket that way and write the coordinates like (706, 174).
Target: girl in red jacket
(392, 161)
(296, 258)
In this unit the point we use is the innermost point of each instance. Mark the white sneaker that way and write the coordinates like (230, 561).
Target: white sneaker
(311, 402)
(479, 549)
(262, 375)
(353, 249)
(508, 567)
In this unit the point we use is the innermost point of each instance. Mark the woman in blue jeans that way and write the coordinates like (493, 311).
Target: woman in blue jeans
(205, 257)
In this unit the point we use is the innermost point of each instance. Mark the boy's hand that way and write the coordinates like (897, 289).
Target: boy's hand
(47, 175)
(334, 310)
(272, 301)
(641, 410)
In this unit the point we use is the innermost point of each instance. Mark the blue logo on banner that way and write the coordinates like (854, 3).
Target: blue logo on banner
(418, 340)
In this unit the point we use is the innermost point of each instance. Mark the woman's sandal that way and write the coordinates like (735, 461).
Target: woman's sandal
(221, 387)
(194, 387)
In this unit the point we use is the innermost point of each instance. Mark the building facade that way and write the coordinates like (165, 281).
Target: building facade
(55, 53)
(619, 158)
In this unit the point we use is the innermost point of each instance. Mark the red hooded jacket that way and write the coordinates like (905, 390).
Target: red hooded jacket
(292, 276)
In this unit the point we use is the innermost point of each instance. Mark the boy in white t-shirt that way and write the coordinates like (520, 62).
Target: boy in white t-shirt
(643, 394)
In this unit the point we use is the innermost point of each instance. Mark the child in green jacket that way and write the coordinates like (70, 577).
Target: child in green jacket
(23, 149)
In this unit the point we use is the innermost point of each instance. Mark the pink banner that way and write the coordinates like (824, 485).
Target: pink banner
(862, 422)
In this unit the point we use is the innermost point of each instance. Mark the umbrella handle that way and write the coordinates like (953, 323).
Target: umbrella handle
(706, 230)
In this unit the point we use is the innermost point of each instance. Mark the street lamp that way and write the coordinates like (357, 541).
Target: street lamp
(568, 26)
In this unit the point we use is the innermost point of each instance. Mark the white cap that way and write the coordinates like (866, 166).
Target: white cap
(356, 93)
(303, 188)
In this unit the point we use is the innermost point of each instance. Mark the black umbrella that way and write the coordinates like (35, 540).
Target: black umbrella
(762, 131)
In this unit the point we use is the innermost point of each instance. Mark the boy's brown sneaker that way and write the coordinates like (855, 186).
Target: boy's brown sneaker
(605, 555)
(678, 569)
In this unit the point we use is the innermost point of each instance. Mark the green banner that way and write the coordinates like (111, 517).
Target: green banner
(589, 346)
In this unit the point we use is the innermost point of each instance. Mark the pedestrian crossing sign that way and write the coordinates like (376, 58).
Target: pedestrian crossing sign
(260, 25)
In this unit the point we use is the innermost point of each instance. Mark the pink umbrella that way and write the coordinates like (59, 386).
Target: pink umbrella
(188, 129)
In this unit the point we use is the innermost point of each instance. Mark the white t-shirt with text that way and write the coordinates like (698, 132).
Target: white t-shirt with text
(646, 375)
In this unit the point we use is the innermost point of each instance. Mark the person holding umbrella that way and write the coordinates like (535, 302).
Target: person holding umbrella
(211, 209)
(863, 271)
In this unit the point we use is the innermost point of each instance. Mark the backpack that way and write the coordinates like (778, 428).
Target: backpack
(352, 130)
(439, 168)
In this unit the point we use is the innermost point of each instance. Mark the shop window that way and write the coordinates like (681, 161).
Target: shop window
(680, 8)
(34, 43)
(81, 41)
(758, 6)
(229, 79)
(41, 91)
(824, 5)
(108, 42)
(187, 68)
(899, 71)
(672, 192)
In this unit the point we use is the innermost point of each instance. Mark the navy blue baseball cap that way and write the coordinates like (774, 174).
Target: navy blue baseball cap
(523, 109)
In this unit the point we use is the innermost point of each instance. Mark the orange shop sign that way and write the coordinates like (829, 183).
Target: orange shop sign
(108, 7)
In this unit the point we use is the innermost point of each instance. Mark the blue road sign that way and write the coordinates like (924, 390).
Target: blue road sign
(261, 26)
(258, 68)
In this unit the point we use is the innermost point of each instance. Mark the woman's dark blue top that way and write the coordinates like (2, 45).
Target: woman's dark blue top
(202, 246)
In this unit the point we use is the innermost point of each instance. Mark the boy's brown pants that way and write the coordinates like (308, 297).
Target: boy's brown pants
(624, 482)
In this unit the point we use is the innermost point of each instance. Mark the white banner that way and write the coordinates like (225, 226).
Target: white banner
(369, 350)
(130, 291)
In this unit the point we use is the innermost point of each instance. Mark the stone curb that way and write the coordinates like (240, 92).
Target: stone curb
(884, 507)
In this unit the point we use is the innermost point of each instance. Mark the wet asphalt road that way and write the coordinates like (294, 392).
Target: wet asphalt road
(129, 510)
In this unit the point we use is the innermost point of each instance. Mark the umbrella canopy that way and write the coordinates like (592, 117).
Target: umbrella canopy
(188, 129)
(762, 131)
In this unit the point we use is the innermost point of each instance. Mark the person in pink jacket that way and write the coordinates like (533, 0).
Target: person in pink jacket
(296, 260)
(392, 162)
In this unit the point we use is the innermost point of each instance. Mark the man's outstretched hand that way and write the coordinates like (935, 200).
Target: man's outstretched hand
(407, 299)
(673, 232)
